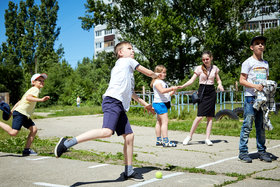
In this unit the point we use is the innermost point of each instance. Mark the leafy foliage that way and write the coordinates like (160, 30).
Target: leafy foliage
(172, 33)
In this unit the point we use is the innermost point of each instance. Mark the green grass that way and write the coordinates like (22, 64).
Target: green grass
(56, 111)
(226, 127)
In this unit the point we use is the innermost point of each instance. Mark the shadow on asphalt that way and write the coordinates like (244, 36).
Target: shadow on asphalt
(119, 179)
(11, 155)
(256, 156)
(203, 142)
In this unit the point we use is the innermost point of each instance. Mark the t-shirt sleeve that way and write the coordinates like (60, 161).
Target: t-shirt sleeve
(156, 82)
(217, 69)
(245, 67)
(34, 91)
(133, 64)
(198, 70)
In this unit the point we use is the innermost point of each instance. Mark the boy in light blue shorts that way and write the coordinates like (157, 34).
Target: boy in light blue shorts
(116, 102)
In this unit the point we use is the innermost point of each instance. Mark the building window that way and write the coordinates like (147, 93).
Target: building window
(98, 45)
(109, 44)
(108, 31)
(98, 33)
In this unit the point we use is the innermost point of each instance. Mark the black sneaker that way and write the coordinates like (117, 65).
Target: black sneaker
(29, 152)
(264, 156)
(60, 148)
(244, 157)
(134, 176)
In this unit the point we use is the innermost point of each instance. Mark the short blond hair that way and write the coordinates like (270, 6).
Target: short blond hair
(119, 46)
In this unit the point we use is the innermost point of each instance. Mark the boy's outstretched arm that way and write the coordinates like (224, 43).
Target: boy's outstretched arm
(31, 98)
(144, 103)
(146, 71)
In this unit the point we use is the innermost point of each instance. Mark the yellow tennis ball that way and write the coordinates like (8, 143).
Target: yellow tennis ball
(158, 175)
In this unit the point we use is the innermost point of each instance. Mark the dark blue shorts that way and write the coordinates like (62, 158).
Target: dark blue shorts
(160, 108)
(20, 120)
(115, 117)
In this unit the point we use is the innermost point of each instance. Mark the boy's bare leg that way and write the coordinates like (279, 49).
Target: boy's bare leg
(129, 172)
(128, 148)
(8, 129)
(63, 144)
(94, 134)
(31, 136)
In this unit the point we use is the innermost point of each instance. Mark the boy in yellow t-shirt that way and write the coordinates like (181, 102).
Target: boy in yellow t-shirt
(24, 109)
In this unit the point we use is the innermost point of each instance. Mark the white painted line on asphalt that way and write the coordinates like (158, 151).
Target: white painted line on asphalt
(213, 163)
(155, 180)
(41, 158)
(48, 184)
(274, 147)
(226, 159)
(101, 165)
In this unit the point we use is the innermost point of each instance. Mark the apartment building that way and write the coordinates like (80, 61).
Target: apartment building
(104, 39)
(263, 22)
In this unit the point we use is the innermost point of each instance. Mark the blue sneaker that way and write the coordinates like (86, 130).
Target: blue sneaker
(29, 152)
(159, 143)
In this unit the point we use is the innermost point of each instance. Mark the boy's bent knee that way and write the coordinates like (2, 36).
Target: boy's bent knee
(13, 132)
(129, 136)
(33, 129)
(107, 132)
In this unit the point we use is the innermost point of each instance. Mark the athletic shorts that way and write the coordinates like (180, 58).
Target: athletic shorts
(20, 120)
(160, 108)
(115, 117)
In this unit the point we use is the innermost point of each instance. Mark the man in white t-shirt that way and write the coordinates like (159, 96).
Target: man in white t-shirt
(253, 70)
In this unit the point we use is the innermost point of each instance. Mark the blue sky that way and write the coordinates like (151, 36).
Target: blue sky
(77, 43)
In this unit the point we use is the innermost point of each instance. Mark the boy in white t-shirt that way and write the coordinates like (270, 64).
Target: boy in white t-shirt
(24, 109)
(116, 102)
(253, 70)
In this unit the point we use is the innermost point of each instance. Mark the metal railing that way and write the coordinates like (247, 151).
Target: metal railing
(180, 100)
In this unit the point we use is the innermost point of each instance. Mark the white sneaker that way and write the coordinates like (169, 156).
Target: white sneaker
(208, 142)
(187, 140)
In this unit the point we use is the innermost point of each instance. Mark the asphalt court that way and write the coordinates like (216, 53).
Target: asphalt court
(220, 158)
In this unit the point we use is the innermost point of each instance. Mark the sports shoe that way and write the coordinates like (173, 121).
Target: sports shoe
(244, 157)
(208, 142)
(187, 140)
(169, 144)
(159, 143)
(264, 156)
(60, 148)
(29, 152)
(134, 176)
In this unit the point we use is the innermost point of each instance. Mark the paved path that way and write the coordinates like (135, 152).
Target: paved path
(221, 158)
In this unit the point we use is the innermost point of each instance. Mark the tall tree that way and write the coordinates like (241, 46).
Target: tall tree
(31, 32)
(46, 33)
(175, 32)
